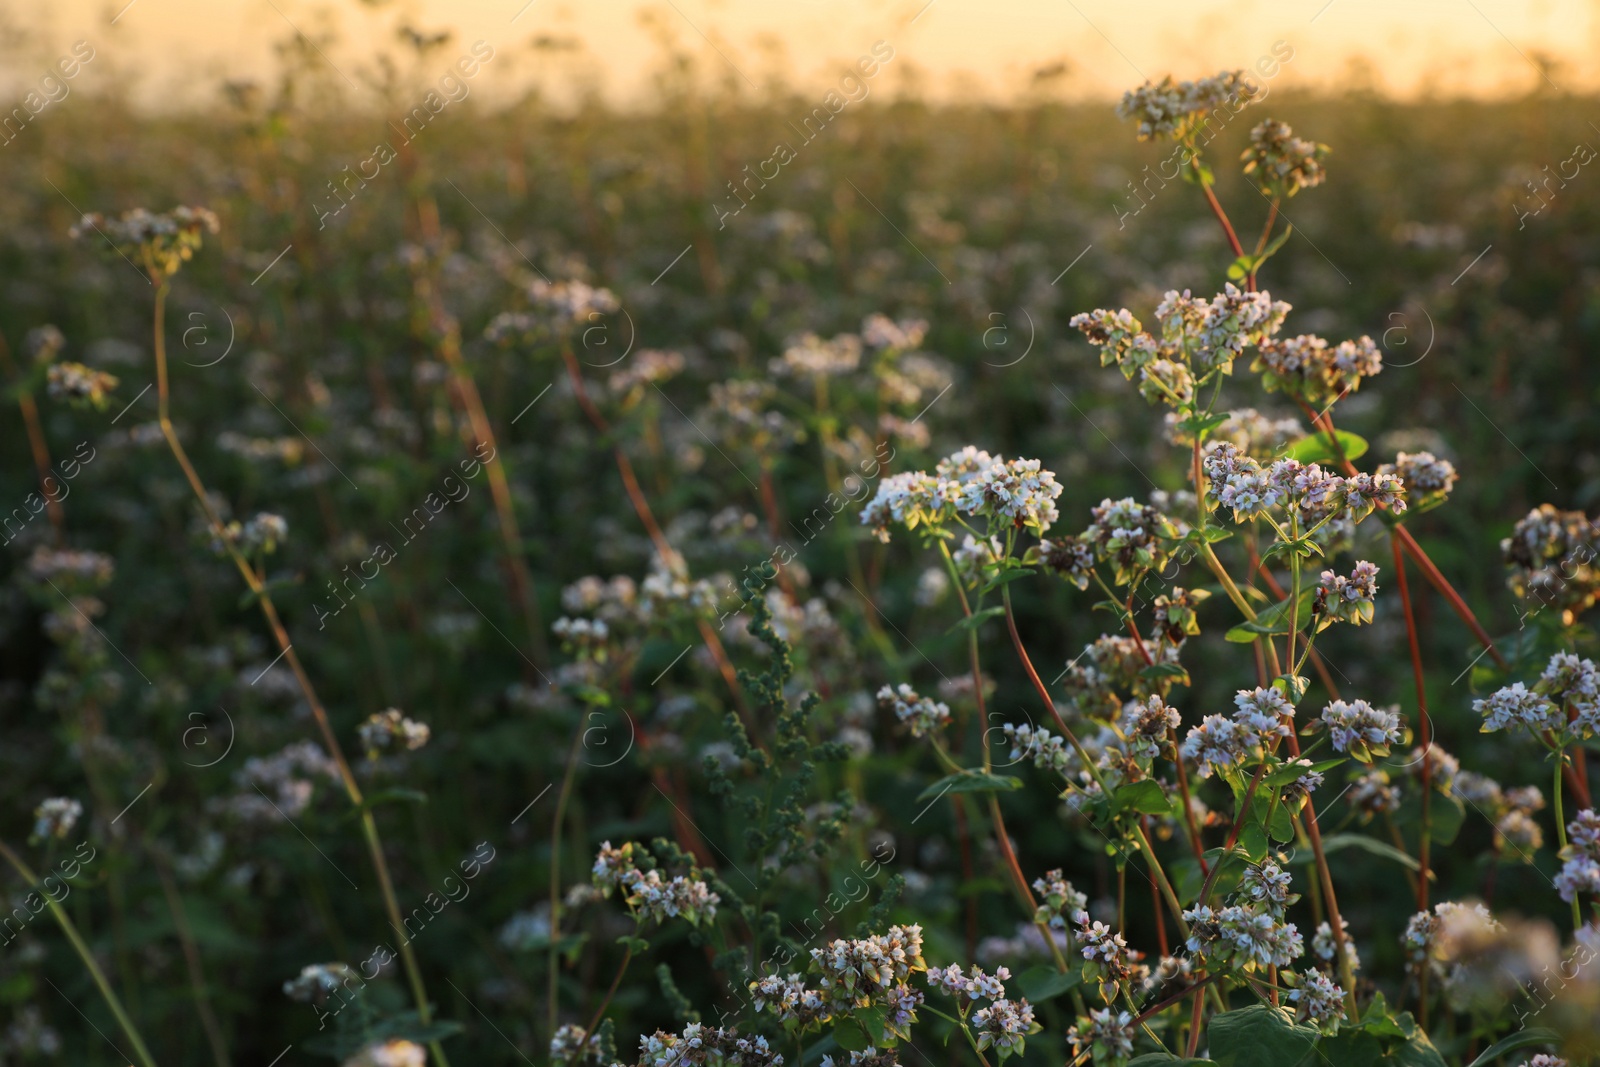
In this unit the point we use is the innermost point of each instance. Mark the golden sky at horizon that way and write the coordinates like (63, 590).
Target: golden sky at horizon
(176, 52)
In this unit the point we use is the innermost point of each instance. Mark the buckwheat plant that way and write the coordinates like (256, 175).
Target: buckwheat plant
(1221, 810)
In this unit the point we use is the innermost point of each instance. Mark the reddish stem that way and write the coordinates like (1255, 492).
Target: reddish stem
(664, 549)
(1425, 727)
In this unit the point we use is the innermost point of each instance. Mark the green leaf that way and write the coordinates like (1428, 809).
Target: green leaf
(1258, 1036)
(1145, 797)
(851, 1037)
(1041, 983)
(1241, 267)
(1335, 842)
(1163, 670)
(1006, 578)
(1534, 1035)
(1253, 839)
(1201, 423)
(1157, 1059)
(1351, 1048)
(1272, 620)
(977, 618)
(971, 781)
(1291, 772)
(1377, 1020)
(1445, 816)
(1315, 448)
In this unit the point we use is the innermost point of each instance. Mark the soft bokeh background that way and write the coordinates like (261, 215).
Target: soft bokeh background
(984, 187)
(176, 51)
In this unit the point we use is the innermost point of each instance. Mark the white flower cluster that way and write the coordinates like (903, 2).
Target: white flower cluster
(1361, 730)
(1351, 599)
(572, 302)
(1110, 958)
(1198, 338)
(880, 331)
(1109, 667)
(1132, 537)
(1427, 477)
(648, 366)
(1060, 899)
(1475, 957)
(1308, 368)
(527, 930)
(280, 786)
(582, 637)
(78, 385)
(1302, 787)
(1177, 109)
(1318, 496)
(614, 600)
(163, 242)
(1372, 794)
(810, 356)
(969, 987)
(317, 981)
(1045, 750)
(1517, 705)
(1551, 555)
(55, 817)
(669, 591)
(1318, 1000)
(1220, 742)
(700, 1045)
(1251, 932)
(921, 713)
(1581, 871)
(1145, 725)
(1004, 1026)
(1107, 1035)
(1325, 945)
(1283, 163)
(391, 729)
(1574, 684)
(857, 972)
(972, 483)
(648, 893)
(85, 570)
(790, 1000)
(1242, 936)
(572, 1043)
(1266, 711)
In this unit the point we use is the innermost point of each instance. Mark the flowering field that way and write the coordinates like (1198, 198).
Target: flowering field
(1054, 585)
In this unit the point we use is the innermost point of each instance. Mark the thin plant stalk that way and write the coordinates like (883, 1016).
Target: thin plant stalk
(191, 959)
(466, 389)
(39, 448)
(263, 597)
(141, 1052)
(1561, 830)
(1424, 724)
(553, 1000)
(1088, 762)
(658, 538)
